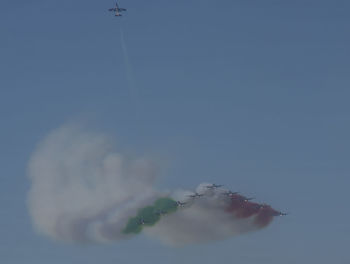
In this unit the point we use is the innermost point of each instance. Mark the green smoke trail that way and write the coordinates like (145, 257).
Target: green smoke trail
(150, 215)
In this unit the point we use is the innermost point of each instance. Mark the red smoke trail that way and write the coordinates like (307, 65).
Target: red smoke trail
(266, 215)
(242, 208)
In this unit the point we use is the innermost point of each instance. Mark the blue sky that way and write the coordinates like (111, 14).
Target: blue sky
(251, 94)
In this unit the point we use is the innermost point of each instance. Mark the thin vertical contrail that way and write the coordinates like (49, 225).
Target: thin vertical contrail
(128, 68)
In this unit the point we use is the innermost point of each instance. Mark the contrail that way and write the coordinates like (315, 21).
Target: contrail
(84, 191)
(128, 67)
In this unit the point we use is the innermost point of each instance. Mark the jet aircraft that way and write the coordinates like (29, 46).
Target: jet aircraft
(282, 214)
(272, 211)
(195, 195)
(160, 212)
(240, 198)
(141, 221)
(117, 10)
(262, 206)
(178, 203)
(213, 186)
(229, 193)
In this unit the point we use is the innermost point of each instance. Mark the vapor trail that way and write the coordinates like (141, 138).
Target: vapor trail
(128, 67)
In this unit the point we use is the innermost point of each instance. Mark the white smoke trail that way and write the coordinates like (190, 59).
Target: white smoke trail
(128, 67)
(84, 191)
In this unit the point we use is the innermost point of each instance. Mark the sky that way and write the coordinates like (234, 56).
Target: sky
(250, 94)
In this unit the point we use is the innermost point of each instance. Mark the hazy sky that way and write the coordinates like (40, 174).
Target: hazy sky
(251, 94)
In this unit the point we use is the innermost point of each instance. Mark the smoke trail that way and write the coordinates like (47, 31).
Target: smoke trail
(214, 216)
(150, 215)
(84, 191)
(128, 67)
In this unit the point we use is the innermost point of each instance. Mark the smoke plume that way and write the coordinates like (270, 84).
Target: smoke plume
(83, 191)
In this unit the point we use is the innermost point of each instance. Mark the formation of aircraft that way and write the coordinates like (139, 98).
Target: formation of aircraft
(117, 10)
(232, 195)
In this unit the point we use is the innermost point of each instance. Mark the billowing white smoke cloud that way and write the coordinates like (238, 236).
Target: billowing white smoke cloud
(84, 191)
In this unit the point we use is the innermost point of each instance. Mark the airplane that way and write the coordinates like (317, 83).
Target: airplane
(277, 213)
(230, 193)
(283, 214)
(117, 10)
(195, 195)
(262, 206)
(214, 186)
(178, 203)
(272, 211)
(240, 197)
(141, 221)
(160, 212)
